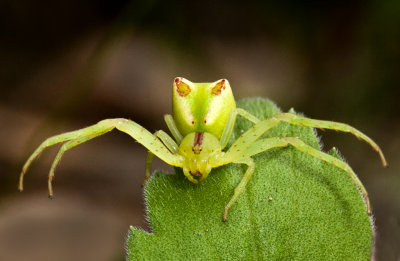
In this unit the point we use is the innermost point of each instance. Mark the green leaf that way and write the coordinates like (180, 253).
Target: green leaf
(295, 207)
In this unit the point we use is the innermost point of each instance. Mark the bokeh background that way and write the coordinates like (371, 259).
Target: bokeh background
(68, 64)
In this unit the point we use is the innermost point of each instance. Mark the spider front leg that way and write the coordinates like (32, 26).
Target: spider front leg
(320, 124)
(66, 146)
(250, 136)
(74, 138)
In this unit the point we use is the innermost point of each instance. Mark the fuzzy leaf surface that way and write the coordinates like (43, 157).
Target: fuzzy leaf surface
(295, 207)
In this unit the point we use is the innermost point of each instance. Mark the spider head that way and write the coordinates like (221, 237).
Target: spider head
(198, 148)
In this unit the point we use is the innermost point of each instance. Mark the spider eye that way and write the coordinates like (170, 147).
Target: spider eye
(182, 88)
(217, 89)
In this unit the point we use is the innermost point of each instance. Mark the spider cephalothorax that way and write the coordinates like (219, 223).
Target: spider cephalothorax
(200, 151)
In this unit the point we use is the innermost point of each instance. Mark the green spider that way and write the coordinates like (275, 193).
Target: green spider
(204, 115)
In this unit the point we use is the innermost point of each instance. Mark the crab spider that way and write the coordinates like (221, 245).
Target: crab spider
(204, 115)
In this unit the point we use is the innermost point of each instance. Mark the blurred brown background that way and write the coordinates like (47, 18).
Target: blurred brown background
(68, 64)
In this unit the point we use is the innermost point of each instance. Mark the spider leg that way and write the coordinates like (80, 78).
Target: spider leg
(169, 120)
(269, 143)
(245, 140)
(66, 146)
(242, 184)
(52, 141)
(131, 128)
(320, 124)
(230, 123)
(168, 142)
